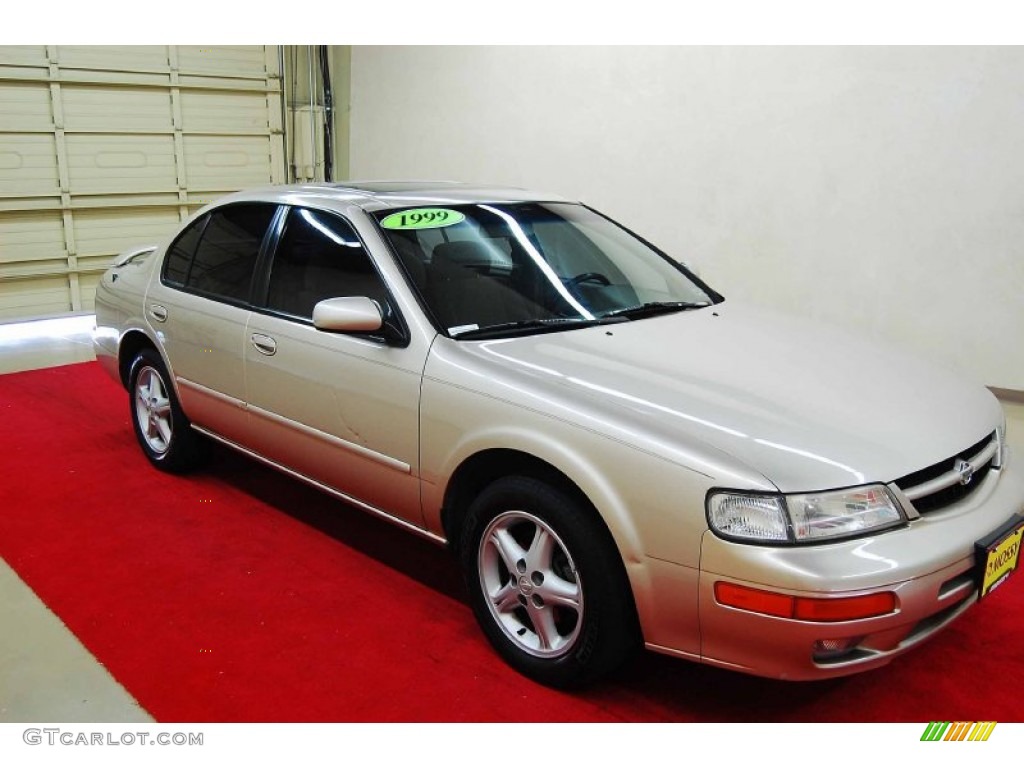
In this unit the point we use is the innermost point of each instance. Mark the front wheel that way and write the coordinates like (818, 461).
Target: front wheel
(163, 431)
(546, 583)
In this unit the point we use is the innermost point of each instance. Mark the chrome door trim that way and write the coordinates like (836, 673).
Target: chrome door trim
(211, 393)
(432, 537)
(332, 440)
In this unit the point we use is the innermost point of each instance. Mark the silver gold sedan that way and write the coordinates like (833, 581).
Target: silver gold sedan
(617, 455)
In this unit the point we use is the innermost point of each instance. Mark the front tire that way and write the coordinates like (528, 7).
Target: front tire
(546, 583)
(161, 427)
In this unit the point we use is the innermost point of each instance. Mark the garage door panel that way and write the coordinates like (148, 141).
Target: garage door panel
(121, 163)
(88, 283)
(120, 58)
(219, 112)
(167, 199)
(31, 236)
(36, 297)
(101, 77)
(107, 232)
(138, 110)
(215, 163)
(24, 55)
(26, 107)
(28, 165)
(26, 271)
(232, 60)
(106, 147)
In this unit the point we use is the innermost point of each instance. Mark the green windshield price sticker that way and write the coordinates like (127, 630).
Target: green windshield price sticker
(422, 218)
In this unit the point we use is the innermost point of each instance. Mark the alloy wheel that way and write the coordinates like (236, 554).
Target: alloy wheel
(153, 410)
(530, 584)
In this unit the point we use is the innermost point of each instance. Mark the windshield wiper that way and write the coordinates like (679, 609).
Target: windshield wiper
(537, 326)
(652, 308)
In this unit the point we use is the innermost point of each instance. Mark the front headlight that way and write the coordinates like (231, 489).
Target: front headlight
(802, 517)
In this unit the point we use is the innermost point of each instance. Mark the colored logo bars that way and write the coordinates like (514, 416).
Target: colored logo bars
(958, 731)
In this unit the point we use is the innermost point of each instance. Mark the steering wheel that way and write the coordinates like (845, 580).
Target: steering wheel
(587, 277)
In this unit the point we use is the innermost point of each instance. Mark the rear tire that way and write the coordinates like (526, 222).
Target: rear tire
(546, 583)
(161, 427)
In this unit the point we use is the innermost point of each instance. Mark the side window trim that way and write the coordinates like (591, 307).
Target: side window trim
(260, 288)
(199, 239)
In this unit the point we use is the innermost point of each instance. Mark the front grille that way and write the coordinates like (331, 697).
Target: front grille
(940, 485)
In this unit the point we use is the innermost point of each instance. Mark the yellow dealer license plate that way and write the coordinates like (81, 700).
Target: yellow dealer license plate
(999, 555)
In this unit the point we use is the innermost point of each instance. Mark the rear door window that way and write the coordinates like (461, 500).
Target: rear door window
(179, 255)
(225, 258)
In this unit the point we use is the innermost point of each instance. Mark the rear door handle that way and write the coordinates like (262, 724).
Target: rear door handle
(265, 345)
(158, 312)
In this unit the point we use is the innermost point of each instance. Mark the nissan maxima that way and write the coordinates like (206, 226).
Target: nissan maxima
(618, 455)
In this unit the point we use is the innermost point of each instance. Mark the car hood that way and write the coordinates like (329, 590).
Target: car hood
(806, 406)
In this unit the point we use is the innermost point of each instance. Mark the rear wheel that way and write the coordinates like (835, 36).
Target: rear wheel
(546, 583)
(163, 431)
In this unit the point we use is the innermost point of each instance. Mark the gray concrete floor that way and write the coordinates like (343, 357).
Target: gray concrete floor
(46, 343)
(46, 675)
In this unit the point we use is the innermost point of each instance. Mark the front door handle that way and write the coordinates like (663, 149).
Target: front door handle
(158, 312)
(264, 344)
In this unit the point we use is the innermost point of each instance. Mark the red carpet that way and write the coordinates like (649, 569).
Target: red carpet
(237, 594)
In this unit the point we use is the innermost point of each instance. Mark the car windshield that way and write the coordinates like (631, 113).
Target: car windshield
(490, 269)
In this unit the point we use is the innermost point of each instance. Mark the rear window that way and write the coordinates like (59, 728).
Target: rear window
(216, 255)
(226, 257)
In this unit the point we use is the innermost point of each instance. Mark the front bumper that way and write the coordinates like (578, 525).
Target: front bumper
(929, 565)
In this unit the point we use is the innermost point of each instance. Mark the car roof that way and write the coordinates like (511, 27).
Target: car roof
(378, 195)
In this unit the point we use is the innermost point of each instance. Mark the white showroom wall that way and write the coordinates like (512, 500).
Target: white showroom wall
(875, 188)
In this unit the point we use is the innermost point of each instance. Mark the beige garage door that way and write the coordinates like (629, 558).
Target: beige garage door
(105, 147)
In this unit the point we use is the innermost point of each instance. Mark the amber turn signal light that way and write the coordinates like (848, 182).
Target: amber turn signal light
(805, 608)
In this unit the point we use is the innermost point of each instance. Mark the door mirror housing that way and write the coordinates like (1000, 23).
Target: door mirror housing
(348, 314)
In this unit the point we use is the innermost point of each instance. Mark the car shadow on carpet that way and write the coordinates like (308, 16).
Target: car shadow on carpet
(429, 564)
(652, 686)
